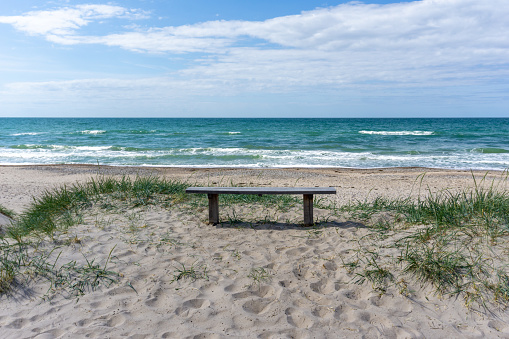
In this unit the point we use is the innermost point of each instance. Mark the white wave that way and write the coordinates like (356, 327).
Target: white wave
(243, 157)
(209, 151)
(233, 132)
(94, 132)
(27, 133)
(58, 147)
(39, 155)
(92, 148)
(397, 132)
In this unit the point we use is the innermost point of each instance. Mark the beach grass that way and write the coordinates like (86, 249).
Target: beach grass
(259, 275)
(61, 207)
(7, 212)
(453, 242)
(192, 272)
(21, 255)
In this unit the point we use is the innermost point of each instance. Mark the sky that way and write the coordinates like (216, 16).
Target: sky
(240, 58)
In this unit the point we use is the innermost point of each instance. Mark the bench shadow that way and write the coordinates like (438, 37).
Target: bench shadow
(281, 226)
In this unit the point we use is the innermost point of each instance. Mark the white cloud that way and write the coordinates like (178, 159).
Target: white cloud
(64, 22)
(419, 44)
(420, 24)
(157, 41)
(426, 24)
(402, 36)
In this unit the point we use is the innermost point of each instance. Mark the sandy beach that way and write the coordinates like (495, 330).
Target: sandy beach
(247, 279)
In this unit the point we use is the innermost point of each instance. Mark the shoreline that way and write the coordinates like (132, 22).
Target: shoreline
(199, 167)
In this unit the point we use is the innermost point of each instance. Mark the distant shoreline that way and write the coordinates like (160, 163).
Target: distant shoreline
(160, 167)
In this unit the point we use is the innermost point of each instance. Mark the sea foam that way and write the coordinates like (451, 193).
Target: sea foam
(94, 132)
(26, 133)
(397, 132)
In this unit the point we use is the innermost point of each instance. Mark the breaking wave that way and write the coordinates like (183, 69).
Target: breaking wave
(417, 133)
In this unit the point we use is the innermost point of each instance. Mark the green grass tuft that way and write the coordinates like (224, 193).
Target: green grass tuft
(7, 212)
(62, 207)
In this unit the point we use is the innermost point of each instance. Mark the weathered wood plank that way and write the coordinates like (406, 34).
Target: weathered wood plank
(213, 209)
(308, 209)
(262, 190)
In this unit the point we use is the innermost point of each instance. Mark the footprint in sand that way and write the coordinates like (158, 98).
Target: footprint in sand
(468, 331)
(116, 320)
(189, 307)
(210, 288)
(342, 312)
(302, 273)
(324, 286)
(125, 290)
(499, 326)
(381, 321)
(265, 291)
(323, 312)
(19, 323)
(242, 321)
(84, 322)
(297, 251)
(254, 255)
(18, 314)
(98, 305)
(148, 250)
(197, 303)
(50, 334)
(239, 285)
(103, 239)
(330, 266)
(298, 318)
(261, 292)
(125, 254)
(207, 336)
(395, 307)
(350, 294)
(158, 302)
(406, 332)
(286, 334)
(257, 306)
(355, 316)
(243, 295)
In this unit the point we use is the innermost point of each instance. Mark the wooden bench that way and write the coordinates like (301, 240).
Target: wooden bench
(307, 192)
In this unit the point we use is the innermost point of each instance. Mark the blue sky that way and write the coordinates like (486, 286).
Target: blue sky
(233, 58)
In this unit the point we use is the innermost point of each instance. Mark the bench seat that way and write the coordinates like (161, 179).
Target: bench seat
(307, 192)
(262, 190)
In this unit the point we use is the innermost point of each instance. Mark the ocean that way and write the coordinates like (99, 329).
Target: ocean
(352, 143)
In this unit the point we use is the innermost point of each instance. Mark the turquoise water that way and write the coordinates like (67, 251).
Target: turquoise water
(354, 143)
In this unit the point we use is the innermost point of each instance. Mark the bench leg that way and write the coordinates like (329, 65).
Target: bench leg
(308, 209)
(213, 209)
